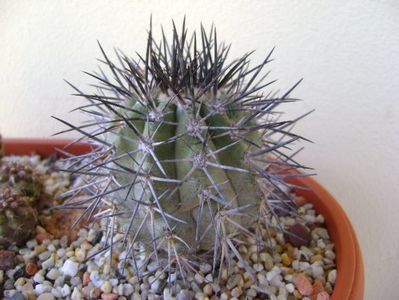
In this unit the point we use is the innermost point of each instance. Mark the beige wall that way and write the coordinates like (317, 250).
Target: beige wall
(347, 51)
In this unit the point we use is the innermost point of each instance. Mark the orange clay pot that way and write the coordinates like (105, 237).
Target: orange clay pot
(350, 271)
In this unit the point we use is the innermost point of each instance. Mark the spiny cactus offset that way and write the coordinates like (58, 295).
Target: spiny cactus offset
(22, 178)
(187, 151)
(18, 218)
(21, 190)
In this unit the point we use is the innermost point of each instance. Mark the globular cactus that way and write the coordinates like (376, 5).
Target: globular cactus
(18, 219)
(21, 190)
(187, 150)
(23, 178)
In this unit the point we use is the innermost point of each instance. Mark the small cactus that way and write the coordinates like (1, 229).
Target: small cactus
(21, 190)
(187, 151)
(23, 178)
(18, 219)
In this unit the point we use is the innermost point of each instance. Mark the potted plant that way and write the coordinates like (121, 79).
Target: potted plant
(184, 162)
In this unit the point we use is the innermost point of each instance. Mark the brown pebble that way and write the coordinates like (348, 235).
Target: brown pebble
(86, 278)
(20, 258)
(303, 285)
(286, 259)
(60, 223)
(41, 236)
(300, 200)
(31, 268)
(109, 296)
(7, 260)
(318, 287)
(298, 235)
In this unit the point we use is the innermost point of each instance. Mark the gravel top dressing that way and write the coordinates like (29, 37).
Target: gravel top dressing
(61, 263)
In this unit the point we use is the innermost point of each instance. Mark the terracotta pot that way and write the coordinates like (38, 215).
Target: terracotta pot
(350, 271)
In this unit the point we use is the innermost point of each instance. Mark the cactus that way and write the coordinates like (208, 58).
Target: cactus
(18, 218)
(21, 190)
(23, 178)
(188, 151)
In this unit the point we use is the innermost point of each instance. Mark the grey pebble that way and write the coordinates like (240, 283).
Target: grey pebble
(9, 284)
(17, 296)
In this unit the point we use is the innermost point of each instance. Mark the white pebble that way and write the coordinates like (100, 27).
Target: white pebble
(61, 252)
(209, 277)
(82, 233)
(321, 244)
(275, 271)
(48, 264)
(332, 276)
(56, 293)
(199, 278)
(44, 255)
(258, 267)
(167, 294)
(320, 219)
(42, 288)
(276, 281)
(127, 289)
(295, 264)
(51, 248)
(38, 277)
(46, 296)
(155, 284)
(205, 268)
(58, 282)
(317, 270)
(321, 232)
(75, 281)
(262, 279)
(76, 294)
(96, 279)
(282, 291)
(65, 290)
(106, 287)
(70, 268)
(114, 281)
(329, 254)
(53, 274)
(290, 288)
(31, 244)
(152, 266)
(303, 265)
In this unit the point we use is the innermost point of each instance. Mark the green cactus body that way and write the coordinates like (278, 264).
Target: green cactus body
(191, 168)
(182, 140)
(18, 219)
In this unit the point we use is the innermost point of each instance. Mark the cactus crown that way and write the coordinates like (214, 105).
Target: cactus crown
(187, 151)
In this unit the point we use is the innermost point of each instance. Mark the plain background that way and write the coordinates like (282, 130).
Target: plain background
(347, 51)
